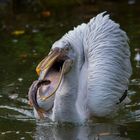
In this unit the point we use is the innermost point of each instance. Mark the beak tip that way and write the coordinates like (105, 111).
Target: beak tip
(38, 71)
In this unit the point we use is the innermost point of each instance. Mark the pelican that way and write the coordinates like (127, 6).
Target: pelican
(85, 75)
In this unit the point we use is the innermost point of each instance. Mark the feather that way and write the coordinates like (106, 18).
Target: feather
(108, 59)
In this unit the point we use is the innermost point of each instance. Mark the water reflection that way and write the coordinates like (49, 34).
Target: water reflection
(137, 57)
(130, 2)
(85, 132)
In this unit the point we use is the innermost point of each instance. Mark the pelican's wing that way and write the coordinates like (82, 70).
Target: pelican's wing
(109, 69)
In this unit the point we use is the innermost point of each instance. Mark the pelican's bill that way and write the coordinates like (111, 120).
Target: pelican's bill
(52, 68)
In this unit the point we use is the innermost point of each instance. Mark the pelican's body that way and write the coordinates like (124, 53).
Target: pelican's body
(95, 76)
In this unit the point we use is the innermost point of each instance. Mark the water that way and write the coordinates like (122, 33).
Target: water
(26, 37)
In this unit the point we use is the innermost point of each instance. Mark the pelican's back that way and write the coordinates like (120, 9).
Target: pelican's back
(108, 59)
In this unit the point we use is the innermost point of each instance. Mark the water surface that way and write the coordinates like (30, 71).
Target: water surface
(26, 37)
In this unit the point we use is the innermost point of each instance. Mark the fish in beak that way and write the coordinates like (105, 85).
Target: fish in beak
(51, 71)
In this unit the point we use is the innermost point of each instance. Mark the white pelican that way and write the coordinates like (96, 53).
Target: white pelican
(86, 73)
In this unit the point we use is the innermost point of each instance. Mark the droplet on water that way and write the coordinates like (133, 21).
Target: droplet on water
(13, 96)
(17, 132)
(20, 79)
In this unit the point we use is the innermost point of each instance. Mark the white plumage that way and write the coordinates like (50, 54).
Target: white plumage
(100, 72)
(109, 69)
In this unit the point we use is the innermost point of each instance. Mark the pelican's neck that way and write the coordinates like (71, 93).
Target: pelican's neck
(65, 99)
(64, 104)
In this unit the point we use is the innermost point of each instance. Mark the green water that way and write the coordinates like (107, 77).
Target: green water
(21, 52)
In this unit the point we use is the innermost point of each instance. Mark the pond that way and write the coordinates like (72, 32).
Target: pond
(26, 36)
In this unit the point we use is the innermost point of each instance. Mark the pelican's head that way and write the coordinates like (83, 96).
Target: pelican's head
(51, 71)
(59, 58)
